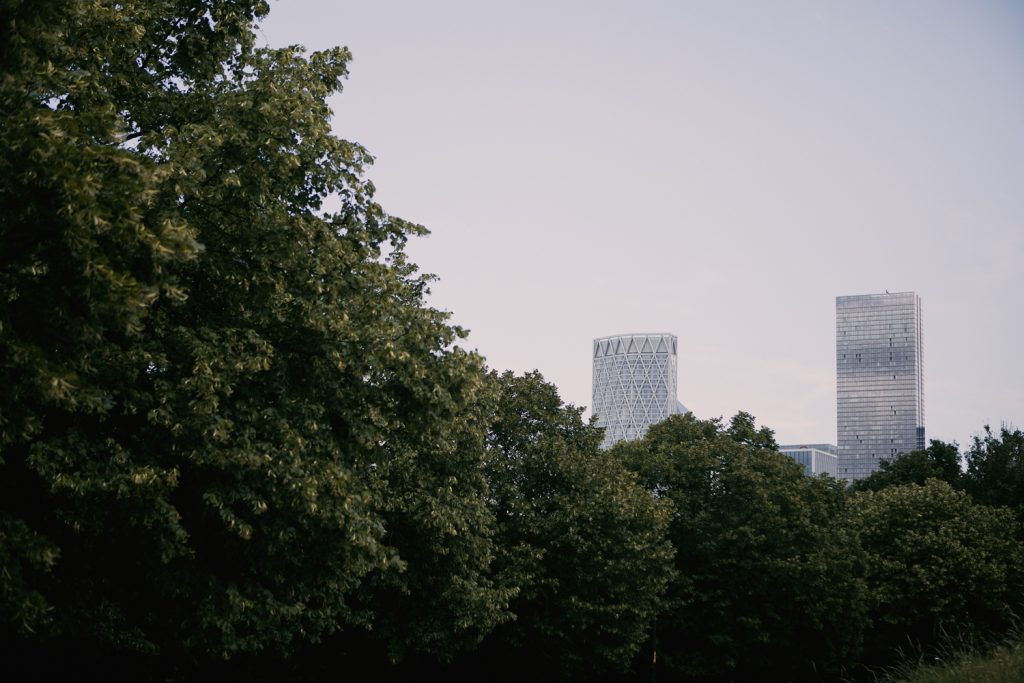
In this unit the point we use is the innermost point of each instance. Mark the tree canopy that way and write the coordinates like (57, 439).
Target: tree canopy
(939, 461)
(937, 563)
(766, 576)
(995, 468)
(581, 541)
(234, 437)
(230, 422)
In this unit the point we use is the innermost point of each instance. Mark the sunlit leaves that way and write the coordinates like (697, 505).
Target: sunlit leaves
(230, 412)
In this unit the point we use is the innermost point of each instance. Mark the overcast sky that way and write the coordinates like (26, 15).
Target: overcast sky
(717, 170)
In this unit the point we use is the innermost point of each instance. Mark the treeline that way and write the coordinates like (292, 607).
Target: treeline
(234, 438)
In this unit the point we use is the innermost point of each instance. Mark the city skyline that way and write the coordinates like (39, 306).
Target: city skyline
(720, 171)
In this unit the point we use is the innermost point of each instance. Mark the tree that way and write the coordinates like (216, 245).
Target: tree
(580, 540)
(743, 429)
(230, 424)
(767, 578)
(936, 563)
(995, 468)
(939, 461)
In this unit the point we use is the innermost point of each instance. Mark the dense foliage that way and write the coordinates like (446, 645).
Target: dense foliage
(939, 461)
(767, 575)
(234, 438)
(582, 542)
(936, 562)
(995, 468)
(229, 420)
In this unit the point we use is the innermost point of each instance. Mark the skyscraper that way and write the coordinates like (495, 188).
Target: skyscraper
(879, 384)
(634, 384)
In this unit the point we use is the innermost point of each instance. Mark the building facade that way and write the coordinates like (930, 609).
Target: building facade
(634, 384)
(817, 458)
(879, 380)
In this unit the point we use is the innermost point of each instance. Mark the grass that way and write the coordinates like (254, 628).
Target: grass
(1004, 664)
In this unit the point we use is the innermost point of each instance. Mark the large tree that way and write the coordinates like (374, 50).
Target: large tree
(995, 468)
(229, 422)
(767, 579)
(940, 461)
(581, 542)
(936, 564)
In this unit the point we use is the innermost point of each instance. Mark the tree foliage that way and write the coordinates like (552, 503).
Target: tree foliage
(766, 577)
(936, 563)
(229, 421)
(995, 468)
(582, 543)
(231, 428)
(939, 461)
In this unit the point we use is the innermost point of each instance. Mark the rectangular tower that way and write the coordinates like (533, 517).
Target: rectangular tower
(879, 382)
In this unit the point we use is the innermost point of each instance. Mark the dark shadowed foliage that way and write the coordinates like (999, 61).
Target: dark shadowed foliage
(582, 543)
(937, 565)
(939, 461)
(995, 468)
(767, 579)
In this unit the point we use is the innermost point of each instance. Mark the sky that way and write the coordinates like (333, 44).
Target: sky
(717, 170)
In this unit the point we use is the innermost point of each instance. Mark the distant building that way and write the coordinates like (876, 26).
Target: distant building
(817, 458)
(879, 380)
(634, 384)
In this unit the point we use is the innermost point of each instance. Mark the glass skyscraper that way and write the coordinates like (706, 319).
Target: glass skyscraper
(634, 384)
(879, 381)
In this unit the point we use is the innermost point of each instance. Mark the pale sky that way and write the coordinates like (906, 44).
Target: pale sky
(717, 170)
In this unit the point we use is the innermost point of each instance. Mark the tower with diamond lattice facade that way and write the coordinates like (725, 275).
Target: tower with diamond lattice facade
(634, 384)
